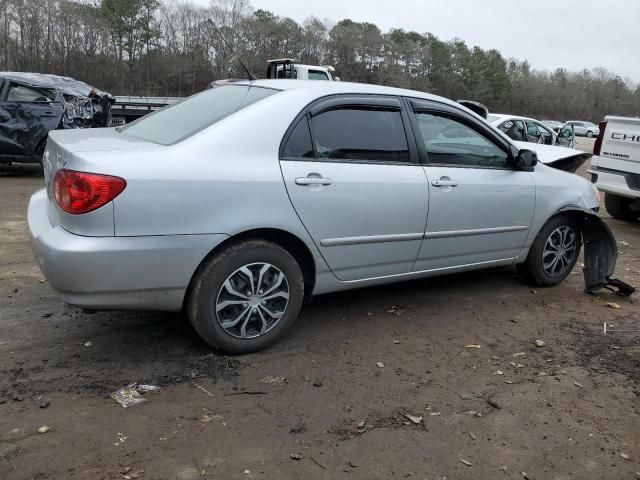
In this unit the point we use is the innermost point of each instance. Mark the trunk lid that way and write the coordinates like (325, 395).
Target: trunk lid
(72, 149)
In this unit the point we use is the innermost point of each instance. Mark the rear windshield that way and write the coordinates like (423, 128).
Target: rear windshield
(181, 120)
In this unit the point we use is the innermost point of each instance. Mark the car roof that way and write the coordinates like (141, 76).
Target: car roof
(66, 85)
(329, 88)
(32, 79)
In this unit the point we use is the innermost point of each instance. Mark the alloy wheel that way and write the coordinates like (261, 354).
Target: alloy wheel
(559, 251)
(252, 300)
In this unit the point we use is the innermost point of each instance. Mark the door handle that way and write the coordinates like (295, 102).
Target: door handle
(444, 183)
(313, 181)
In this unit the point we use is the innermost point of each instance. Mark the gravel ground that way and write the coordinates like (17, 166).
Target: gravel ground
(319, 405)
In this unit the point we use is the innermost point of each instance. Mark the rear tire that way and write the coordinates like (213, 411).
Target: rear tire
(553, 254)
(620, 207)
(245, 296)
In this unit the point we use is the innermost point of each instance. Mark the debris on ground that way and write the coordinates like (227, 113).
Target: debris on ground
(87, 344)
(122, 438)
(540, 343)
(625, 456)
(473, 345)
(296, 456)
(396, 310)
(380, 364)
(131, 395)
(269, 380)
(518, 354)
(208, 418)
(201, 388)
(516, 365)
(43, 429)
(466, 462)
(412, 418)
(613, 305)
(42, 402)
(577, 384)
(147, 388)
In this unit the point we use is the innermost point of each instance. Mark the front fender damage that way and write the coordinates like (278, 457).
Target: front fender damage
(600, 256)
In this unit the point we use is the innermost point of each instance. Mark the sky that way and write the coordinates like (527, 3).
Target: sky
(549, 33)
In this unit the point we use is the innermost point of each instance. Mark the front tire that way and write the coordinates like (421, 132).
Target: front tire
(245, 296)
(590, 134)
(554, 252)
(620, 207)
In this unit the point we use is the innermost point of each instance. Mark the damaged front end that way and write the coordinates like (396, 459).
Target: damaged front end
(84, 106)
(600, 256)
(32, 104)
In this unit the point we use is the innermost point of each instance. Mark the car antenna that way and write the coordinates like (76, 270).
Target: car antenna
(251, 75)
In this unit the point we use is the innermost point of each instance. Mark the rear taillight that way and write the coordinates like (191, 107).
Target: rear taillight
(598, 145)
(82, 192)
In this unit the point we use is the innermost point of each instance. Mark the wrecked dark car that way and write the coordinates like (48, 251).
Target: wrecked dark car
(32, 104)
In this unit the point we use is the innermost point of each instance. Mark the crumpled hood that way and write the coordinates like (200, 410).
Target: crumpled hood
(562, 158)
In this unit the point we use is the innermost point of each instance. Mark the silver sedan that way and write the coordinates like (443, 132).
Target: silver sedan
(238, 203)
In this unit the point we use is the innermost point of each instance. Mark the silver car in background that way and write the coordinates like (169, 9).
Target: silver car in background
(238, 203)
(584, 129)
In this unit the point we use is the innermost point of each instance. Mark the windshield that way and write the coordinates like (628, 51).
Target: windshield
(181, 120)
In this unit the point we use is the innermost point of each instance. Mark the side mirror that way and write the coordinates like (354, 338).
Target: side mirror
(336, 79)
(526, 160)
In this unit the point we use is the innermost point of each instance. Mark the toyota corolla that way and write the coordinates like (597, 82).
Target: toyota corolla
(238, 203)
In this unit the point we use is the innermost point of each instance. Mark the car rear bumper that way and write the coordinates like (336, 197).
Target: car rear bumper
(145, 272)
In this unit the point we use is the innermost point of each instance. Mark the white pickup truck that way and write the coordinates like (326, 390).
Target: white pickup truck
(286, 68)
(615, 166)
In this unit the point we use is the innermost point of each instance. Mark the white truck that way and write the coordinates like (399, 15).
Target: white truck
(615, 166)
(287, 68)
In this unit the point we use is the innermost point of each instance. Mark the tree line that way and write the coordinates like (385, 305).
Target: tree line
(167, 48)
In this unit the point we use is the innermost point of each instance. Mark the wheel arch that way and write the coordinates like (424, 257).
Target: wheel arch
(600, 250)
(287, 240)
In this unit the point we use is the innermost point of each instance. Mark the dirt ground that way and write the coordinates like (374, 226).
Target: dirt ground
(506, 410)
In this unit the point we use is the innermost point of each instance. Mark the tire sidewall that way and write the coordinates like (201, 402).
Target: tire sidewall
(213, 276)
(534, 261)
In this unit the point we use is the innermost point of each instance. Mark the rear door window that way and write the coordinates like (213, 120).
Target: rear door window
(176, 122)
(360, 135)
(299, 144)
